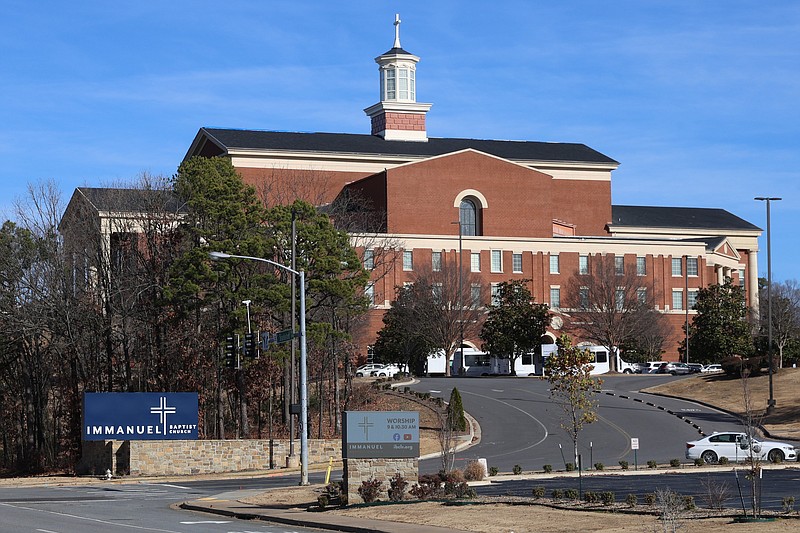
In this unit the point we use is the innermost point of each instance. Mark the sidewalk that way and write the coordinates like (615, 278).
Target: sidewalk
(302, 518)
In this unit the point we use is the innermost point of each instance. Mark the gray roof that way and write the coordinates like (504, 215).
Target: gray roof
(233, 139)
(130, 200)
(678, 217)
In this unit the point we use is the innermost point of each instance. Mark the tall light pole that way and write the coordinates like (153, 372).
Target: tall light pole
(686, 286)
(771, 401)
(460, 300)
(303, 355)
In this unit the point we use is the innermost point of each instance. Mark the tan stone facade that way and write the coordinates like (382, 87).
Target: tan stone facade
(192, 457)
(357, 471)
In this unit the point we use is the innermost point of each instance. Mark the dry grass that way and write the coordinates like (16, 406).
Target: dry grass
(726, 393)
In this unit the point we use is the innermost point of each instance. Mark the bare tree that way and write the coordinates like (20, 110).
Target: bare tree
(457, 314)
(785, 314)
(569, 374)
(609, 305)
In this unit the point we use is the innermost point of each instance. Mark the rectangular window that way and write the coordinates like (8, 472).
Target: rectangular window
(555, 297)
(495, 293)
(583, 264)
(408, 260)
(641, 295)
(475, 295)
(741, 277)
(619, 265)
(691, 266)
(691, 298)
(475, 261)
(390, 84)
(402, 84)
(369, 292)
(583, 297)
(497, 261)
(677, 266)
(516, 262)
(554, 264)
(436, 289)
(369, 259)
(436, 261)
(641, 266)
(677, 299)
(619, 299)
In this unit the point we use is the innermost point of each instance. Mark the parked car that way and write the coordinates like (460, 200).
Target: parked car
(366, 370)
(712, 368)
(737, 447)
(679, 369)
(386, 371)
(664, 368)
(695, 367)
(650, 367)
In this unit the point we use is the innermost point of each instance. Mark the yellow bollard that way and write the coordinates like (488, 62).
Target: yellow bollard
(328, 474)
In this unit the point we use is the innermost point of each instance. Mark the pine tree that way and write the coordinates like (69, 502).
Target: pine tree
(455, 412)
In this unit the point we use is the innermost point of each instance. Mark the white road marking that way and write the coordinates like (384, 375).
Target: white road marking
(435, 391)
(498, 390)
(89, 519)
(208, 522)
(165, 485)
(46, 531)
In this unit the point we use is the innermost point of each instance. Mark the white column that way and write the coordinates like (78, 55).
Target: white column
(752, 282)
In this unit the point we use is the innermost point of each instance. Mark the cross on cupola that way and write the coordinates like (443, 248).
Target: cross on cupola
(397, 22)
(398, 116)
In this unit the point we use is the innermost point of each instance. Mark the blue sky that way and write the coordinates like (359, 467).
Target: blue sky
(698, 100)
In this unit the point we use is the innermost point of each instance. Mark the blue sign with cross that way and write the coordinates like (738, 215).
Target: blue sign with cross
(140, 415)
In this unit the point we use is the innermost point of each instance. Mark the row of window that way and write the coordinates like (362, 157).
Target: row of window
(496, 266)
(555, 296)
(641, 297)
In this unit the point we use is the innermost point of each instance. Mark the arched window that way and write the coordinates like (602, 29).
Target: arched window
(469, 217)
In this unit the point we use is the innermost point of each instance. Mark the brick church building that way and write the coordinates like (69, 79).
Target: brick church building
(513, 209)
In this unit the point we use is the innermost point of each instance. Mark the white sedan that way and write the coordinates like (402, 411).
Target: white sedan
(736, 447)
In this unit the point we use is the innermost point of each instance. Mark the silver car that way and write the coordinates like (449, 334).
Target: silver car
(737, 447)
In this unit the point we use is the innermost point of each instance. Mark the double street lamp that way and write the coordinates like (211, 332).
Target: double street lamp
(303, 355)
(771, 401)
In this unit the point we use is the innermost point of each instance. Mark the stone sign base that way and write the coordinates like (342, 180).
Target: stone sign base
(358, 470)
(190, 457)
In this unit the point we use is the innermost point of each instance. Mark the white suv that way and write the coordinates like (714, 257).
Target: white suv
(366, 370)
(386, 371)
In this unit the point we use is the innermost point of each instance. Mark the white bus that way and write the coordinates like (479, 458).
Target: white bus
(600, 359)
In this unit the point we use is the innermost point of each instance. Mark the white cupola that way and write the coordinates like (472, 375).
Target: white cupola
(398, 116)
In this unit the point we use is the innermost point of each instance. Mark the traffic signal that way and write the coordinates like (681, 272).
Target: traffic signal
(250, 345)
(230, 351)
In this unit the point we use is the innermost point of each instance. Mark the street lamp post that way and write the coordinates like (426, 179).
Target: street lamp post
(771, 401)
(303, 356)
(247, 305)
(460, 301)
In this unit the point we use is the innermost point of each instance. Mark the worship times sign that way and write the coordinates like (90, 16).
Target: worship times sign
(140, 416)
(380, 434)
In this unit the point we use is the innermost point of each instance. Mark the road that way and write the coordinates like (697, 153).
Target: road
(142, 507)
(521, 424)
